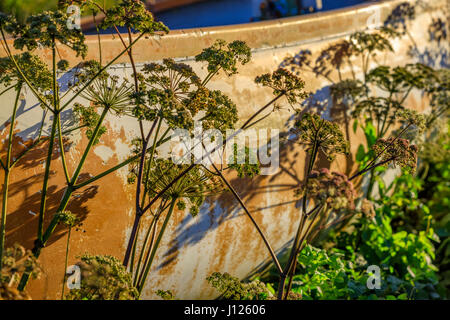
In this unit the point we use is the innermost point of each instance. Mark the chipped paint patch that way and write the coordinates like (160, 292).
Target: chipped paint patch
(105, 153)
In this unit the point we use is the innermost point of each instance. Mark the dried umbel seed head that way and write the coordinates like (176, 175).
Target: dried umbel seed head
(411, 117)
(331, 188)
(103, 278)
(85, 71)
(171, 76)
(284, 82)
(398, 151)
(313, 131)
(106, 92)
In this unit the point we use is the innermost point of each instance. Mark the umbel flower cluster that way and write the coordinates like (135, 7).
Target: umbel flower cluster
(132, 14)
(397, 151)
(333, 189)
(195, 186)
(324, 135)
(103, 278)
(174, 92)
(44, 29)
(284, 82)
(16, 261)
(31, 65)
(67, 218)
(225, 56)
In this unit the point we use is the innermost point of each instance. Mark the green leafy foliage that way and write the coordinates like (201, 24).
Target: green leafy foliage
(165, 295)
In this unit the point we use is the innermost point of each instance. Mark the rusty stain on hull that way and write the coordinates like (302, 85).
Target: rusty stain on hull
(221, 238)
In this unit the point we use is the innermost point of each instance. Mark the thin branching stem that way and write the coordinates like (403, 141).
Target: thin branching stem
(7, 168)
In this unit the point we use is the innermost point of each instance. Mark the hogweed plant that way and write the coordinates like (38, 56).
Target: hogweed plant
(103, 92)
(170, 95)
(173, 93)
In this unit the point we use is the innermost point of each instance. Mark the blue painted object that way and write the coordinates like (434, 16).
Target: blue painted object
(225, 12)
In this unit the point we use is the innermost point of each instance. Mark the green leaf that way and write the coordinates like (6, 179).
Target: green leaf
(371, 134)
(360, 154)
(355, 125)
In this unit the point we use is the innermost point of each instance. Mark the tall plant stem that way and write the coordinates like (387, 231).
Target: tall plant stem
(62, 151)
(141, 255)
(66, 197)
(50, 147)
(157, 243)
(152, 154)
(6, 177)
(261, 233)
(139, 211)
(65, 263)
(57, 113)
(48, 162)
(140, 272)
(299, 249)
(303, 215)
